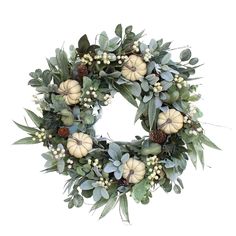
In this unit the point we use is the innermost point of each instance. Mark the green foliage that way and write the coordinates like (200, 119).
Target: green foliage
(124, 211)
(29, 130)
(110, 204)
(140, 190)
(27, 140)
(117, 160)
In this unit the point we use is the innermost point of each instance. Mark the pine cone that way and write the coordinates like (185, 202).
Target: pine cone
(157, 136)
(63, 132)
(82, 70)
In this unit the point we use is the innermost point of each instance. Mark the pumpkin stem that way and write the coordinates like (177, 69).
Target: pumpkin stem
(168, 121)
(132, 68)
(79, 142)
(131, 172)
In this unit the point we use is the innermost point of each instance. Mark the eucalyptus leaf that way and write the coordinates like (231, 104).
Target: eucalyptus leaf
(166, 58)
(148, 97)
(109, 205)
(124, 91)
(135, 89)
(28, 129)
(139, 190)
(193, 61)
(78, 201)
(124, 211)
(103, 41)
(119, 30)
(109, 167)
(152, 45)
(145, 86)
(142, 108)
(151, 112)
(97, 194)
(27, 140)
(87, 185)
(158, 102)
(185, 55)
(36, 119)
(104, 193)
(167, 76)
(205, 140)
(60, 165)
(177, 189)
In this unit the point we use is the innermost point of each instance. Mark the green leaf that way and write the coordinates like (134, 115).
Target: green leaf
(78, 201)
(103, 41)
(58, 103)
(62, 62)
(109, 206)
(167, 76)
(142, 108)
(97, 194)
(35, 83)
(119, 30)
(145, 86)
(80, 171)
(193, 61)
(151, 112)
(128, 29)
(114, 148)
(192, 154)
(177, 189)
(124, 210)
(28, 129)
(83, 44)
(152, 45)
(199, 151)
(36, 119)
(87, 185)
(60, 165)
(205, 140)
(27, 140)
(180, 183)
(139, 190)
(165, 46)
(185, 55)
(166, 58)
(135, 89)
(124, 91)
(148, 97)
(171, 174)
(104, 193)
(98, 204)
(87, 82)
(113, 44)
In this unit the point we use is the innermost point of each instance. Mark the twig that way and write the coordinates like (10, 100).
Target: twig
(187, 46)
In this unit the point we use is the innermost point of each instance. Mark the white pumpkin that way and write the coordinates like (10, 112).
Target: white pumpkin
(79, 144)
(171, 121)
(134, 69)
(134, 171)
(71, 91)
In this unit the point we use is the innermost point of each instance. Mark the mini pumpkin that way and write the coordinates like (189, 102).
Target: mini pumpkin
(134, 171)
(71, 91)
(170, 121)
(79, 145)
(134, 69)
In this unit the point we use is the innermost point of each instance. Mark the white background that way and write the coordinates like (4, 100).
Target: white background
(31, 203)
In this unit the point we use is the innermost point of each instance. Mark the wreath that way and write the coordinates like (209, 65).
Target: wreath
(70, 96)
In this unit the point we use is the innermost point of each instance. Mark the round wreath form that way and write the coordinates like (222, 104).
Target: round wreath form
(71, 94)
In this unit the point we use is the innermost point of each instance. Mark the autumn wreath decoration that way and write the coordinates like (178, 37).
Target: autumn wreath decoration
(70, 96)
